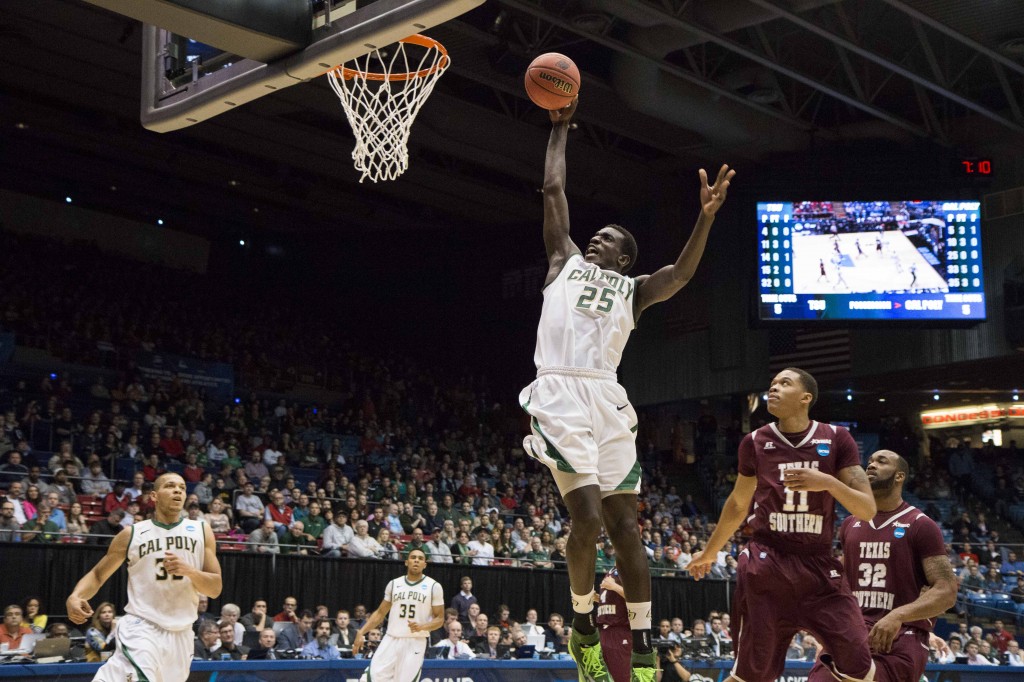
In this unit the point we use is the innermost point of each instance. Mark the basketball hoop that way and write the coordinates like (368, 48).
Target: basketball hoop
(381, 93)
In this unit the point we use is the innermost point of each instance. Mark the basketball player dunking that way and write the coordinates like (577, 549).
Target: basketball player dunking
(171, 561)
(793, 471)
(583, 427)
(890, 560)
(414, 607)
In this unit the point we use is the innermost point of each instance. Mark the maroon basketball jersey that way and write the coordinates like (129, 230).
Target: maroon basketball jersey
(883, 559)
(789, 519)
(611, 611)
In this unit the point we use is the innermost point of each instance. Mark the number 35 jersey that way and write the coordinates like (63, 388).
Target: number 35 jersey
(586, 318)
(792, 520)
(884, 559)
(169, 601)
(412, 603)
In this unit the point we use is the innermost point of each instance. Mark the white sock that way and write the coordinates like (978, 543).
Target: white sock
(639, 615)
(582, 603)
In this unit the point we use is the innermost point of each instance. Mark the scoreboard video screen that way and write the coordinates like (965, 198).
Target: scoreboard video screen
(870, 260)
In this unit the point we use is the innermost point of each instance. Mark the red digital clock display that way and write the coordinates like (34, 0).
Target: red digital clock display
(976, 166)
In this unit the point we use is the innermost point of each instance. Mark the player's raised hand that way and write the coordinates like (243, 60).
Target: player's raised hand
(811, 480)
(357, 643)
(884, 632)
(713, 196)
(700, 564)
(564, 114)
(79, 610)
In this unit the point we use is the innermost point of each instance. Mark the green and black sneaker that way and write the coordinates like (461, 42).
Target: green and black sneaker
(643, 667)
(586, 651)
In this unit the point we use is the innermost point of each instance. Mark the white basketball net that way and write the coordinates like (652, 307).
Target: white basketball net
(381, 93)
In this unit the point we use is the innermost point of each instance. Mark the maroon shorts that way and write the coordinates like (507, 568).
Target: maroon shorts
(905, 661)
(617, 648)
(779, 594)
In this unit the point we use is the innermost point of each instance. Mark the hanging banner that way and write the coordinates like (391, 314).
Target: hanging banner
(216, 379)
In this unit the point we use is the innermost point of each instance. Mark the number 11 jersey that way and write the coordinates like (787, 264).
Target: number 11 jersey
(790, 520)
(412, 602)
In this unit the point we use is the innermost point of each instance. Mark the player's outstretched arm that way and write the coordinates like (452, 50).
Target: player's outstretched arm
(374, 619)
(936, 599)
(556, 208)
(664, 283)
(206, 580)
(77, 604)
(733, 514)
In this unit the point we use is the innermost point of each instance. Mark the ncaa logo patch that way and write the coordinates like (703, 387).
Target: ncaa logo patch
(899, 532)
(822, 449)
(190, 527)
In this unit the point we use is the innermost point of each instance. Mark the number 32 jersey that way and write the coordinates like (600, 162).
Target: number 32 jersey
(412, 602)
(169, 601)
(884, 558)
(586, 318)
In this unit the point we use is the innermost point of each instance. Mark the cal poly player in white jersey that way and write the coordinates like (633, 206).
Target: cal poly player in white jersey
(171, 561)
(414, 606)
(583, 427)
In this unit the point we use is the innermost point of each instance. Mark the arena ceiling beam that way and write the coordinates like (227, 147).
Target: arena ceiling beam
(774, 64)
(890, 63)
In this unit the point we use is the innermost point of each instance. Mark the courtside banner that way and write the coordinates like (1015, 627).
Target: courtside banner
(458, 671)
(217, 379)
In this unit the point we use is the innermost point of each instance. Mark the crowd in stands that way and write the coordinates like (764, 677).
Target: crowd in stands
(397, 465)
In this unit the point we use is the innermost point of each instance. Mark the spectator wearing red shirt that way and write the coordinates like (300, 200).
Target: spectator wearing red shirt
(279, 512)
(966, 553)
(147, 505)
(13, 628)
(118, 499)
(287, 615)
(152, 468)
(508, 499)
(1002, 637)
(193, 473)
(172, 444)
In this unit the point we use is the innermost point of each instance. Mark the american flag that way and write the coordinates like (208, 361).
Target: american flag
(822, 353)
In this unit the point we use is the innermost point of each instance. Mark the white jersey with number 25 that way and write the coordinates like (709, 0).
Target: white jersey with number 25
(586, 318)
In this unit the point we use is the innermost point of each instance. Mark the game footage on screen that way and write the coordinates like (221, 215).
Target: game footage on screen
(859, 247)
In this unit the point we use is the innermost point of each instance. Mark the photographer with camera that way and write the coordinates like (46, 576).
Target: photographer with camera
(671, 670)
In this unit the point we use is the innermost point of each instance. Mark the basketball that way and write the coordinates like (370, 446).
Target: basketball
(552, 81)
